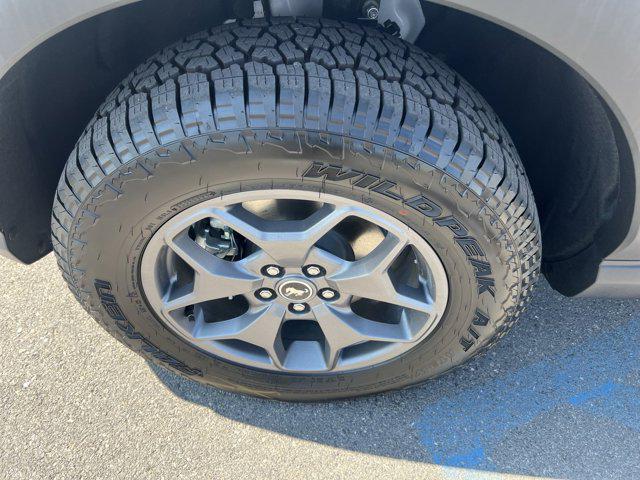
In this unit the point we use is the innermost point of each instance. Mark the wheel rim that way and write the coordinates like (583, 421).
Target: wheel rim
(316, 283)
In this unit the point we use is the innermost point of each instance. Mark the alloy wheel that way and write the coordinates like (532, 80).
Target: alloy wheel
(294, 281)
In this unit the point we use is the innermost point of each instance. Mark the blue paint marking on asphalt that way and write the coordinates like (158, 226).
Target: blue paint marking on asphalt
(461, 430)
(602, 391)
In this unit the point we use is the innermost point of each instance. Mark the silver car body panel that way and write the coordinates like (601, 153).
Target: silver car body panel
(599, 39)
(5, 252)
(28, 23)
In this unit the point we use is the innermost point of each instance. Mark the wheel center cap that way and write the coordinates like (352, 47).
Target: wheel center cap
(296, 290)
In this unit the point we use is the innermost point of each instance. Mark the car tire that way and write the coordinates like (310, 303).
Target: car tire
(323, 109)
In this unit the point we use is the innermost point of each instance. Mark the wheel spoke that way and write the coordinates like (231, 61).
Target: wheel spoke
(214, 277)
(343, 328)
(413, 298)
(287, 242)
(180, 301)
(259, 327)
(332, 263)
(369, 278)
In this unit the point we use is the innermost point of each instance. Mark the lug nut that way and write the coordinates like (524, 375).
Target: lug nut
(272, 271)
(299, 307)
(328, 294)
(370, 9)
(265, 294)
(313, 271)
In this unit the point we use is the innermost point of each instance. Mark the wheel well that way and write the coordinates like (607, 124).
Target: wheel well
(49, 96)
(573, 149)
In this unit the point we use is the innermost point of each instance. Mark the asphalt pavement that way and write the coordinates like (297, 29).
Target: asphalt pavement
(558, 397)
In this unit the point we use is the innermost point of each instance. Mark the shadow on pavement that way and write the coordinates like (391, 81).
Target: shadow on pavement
(559, 396)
